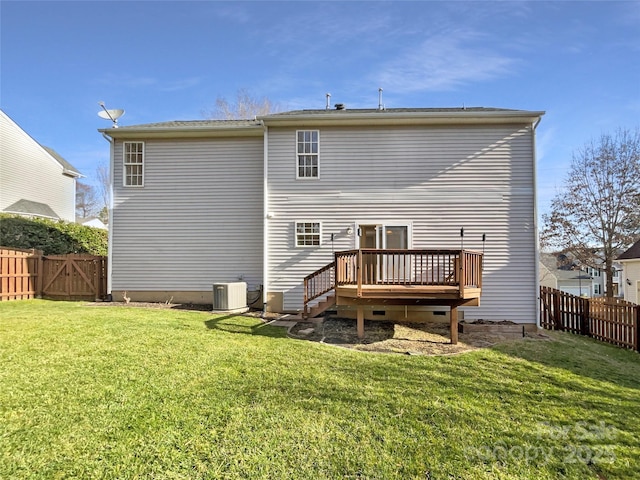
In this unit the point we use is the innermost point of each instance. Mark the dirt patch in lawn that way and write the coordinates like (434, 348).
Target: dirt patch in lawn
(404, 338)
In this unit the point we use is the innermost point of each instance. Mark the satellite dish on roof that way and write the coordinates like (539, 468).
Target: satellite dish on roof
(112, 114)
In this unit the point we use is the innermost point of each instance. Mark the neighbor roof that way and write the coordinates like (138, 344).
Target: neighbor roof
(68, 169)
(632, 253)
(29, 207)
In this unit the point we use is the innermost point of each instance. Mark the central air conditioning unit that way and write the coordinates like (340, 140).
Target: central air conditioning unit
(230, 296)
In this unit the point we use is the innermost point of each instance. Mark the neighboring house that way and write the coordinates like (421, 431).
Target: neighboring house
(34, 180)
(599, 282)
(94, 222)
(630, 280)
(556, 271)
(268, 201)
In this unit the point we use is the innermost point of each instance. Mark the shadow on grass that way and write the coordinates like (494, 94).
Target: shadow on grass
(244, 325)
(581, 356)
(193, 306)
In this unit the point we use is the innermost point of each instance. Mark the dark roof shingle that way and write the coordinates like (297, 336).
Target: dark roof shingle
(632, 252)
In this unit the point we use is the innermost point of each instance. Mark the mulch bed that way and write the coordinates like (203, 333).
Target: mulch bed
(404, 338)
(380, 336)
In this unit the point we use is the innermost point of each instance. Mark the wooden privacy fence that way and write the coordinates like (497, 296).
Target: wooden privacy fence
(607, 319)
(28, 274)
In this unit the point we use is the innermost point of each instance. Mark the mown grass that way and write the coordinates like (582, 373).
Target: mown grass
(112, 392)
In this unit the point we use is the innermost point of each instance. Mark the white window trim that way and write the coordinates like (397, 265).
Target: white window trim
(124, 164)
(298, 177)
(295, 234)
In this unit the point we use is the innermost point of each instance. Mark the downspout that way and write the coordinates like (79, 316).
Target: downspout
(535, 221)
(110, 209)
(265, 220)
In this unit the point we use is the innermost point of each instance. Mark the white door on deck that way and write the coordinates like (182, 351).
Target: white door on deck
(385, 267)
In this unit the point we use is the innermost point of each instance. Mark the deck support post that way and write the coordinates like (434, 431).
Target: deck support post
(453, 324)
(360, 322)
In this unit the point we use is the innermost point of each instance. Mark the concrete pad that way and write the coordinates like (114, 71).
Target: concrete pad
(282, 323)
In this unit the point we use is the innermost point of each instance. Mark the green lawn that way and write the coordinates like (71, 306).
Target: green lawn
(112, 392)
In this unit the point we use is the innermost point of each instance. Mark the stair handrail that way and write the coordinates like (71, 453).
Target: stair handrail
(319, 283)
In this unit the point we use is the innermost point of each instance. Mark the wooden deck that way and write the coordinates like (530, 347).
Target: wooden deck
(433, 294)
(361, 277)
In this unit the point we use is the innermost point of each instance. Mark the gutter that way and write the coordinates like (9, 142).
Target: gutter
(386, 117)
(265, 221)
(110, 209)
(183, 132)
(535, 220)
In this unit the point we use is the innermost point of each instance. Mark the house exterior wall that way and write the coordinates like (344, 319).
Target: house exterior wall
(197, 220)
(547, 279)
(28, 171)
(631, 271)
(435, 178)
(574, 286)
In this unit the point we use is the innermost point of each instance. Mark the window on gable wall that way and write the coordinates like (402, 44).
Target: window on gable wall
(308, 154)
(307, 234)
(133, 161)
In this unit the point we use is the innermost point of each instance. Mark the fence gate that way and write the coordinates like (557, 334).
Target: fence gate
(74, 276)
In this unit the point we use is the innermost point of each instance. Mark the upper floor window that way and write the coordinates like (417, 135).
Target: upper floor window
(308, 154)
(133, 160)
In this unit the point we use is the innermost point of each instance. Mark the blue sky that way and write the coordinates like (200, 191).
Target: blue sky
(160, 61)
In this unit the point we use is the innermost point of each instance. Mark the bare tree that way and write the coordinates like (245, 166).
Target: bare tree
(104, 189)
(597, 213)
(86, 201)
(245, 107)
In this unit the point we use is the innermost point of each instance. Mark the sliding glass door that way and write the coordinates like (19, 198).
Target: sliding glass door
(388, 267)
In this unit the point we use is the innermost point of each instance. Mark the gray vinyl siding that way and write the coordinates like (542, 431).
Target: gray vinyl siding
(196, 221)
(28, 171)
(437, 178)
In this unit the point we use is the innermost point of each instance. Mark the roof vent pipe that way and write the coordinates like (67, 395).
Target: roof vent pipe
(328, 101)
(380, 104)
(340, 106)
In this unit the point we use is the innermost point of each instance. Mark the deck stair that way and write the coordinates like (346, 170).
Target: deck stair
(322, 306)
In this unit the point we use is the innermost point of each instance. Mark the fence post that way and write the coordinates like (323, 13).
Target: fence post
(39, 272)
(637, 311)
(584, 317)
(559, 324)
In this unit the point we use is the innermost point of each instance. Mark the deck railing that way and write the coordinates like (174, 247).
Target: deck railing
(461, 268)
(319, 282)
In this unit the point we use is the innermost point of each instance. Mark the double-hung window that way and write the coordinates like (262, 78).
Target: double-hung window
(308, 156)
(308, 234)
(133, 161)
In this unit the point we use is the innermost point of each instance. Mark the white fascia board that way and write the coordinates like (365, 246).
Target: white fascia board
(182, 132)
(404, 118)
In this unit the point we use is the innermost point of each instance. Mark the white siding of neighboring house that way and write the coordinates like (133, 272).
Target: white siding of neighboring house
(438, 178)
(547, 279)
(197, 220)
(28, 171)
(631, 271)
